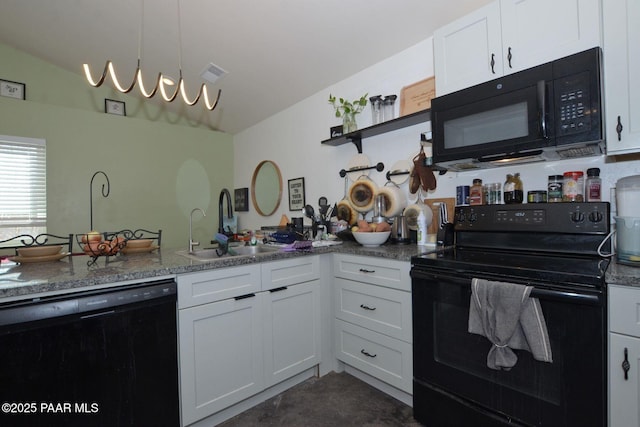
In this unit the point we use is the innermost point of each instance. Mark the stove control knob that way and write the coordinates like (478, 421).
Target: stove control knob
(473, 217)
(577, 217)
(461, 216)
(596, 216)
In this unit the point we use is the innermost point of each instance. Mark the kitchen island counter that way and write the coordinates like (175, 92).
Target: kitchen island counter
(20, 281)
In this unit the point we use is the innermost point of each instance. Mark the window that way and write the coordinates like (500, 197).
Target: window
(23, 186)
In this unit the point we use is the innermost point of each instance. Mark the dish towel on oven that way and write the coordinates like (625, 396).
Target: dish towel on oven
(510, 319)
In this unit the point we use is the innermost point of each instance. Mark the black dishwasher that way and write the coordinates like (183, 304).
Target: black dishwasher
(97, 358)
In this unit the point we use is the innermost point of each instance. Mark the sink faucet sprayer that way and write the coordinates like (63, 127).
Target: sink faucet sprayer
(191, 242)
(224, 193)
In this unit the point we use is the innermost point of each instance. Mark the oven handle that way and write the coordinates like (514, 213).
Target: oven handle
(548, 294)
(573, 297)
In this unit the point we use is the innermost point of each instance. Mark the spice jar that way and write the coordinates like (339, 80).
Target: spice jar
(573, 186)
(476, 192)
(512, 191)
(593, 185)
(537, 196)
(554, 188)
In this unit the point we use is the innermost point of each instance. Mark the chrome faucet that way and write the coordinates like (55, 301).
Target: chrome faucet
(191, 242)
(224, 193)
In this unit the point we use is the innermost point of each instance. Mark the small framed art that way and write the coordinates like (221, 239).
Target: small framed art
(12, 89)
(296, 194)
(241, 199)
(112, 106)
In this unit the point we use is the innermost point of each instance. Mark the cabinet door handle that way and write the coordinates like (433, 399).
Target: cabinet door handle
(509, 56)
(282, 288)
(619, 129)
(365, 307)
(493, 62)
(364, 270)
(626, 365)
(367, 354)
(244, 297)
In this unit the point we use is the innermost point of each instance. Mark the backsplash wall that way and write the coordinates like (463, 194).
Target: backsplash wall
(292, 139)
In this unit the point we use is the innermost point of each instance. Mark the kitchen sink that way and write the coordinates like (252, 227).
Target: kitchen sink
(210, 254)
(252, 250)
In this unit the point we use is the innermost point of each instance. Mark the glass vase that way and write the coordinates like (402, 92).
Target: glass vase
(349, 123)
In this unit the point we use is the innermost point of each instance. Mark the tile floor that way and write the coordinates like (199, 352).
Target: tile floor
(335, 400)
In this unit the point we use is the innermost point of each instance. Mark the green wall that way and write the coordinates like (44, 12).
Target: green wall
(159, 168)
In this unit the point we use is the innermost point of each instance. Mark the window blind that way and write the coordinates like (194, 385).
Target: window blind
(23, 186)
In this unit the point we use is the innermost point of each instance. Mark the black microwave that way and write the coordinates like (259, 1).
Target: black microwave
(549, 112)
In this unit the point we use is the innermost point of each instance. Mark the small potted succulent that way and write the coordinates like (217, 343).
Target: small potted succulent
(348, 110)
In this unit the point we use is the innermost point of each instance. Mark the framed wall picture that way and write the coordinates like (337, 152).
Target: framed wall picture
(111, 106)
(12, 89)
(241, 199)
(296, 194)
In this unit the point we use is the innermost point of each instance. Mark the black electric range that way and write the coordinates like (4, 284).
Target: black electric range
(561, 251)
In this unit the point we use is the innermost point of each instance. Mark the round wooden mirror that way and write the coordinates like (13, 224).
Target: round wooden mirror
(266, 188)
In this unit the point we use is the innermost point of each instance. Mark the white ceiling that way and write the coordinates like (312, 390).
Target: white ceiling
(277, 52)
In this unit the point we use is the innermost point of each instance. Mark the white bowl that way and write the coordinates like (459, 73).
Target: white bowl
(371, 239)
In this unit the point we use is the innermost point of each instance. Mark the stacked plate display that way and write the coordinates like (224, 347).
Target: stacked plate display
(39, 254)
(135, 246)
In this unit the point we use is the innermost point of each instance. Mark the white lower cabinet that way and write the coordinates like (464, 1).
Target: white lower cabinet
(291, 331)
(372, 303)
(624, 356)
(221, 359)
(265, 330)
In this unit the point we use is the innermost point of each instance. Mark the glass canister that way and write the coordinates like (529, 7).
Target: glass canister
(554, 188)
(573, 186)
(495, 194)
(512, 191)
(376, 109)
(388, 107)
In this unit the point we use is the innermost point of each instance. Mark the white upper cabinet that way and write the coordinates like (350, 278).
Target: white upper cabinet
(539, 31)
(512, 35)
(622, 75)
(464, 50)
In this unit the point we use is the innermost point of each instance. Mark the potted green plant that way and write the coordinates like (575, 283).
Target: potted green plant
(348, 110)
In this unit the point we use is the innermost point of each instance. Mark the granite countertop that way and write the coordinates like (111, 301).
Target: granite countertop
(20, 281)
(620, 274)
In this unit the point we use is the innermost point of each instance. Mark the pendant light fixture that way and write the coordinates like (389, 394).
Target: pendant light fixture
(161, 82)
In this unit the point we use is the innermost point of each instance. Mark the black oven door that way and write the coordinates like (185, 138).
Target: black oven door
(454, 387)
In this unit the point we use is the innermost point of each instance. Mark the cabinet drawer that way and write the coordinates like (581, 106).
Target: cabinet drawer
(624, 313)
(387, 359)
(216, 285)
(383, 310)
(375, 270)
(290, 272)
